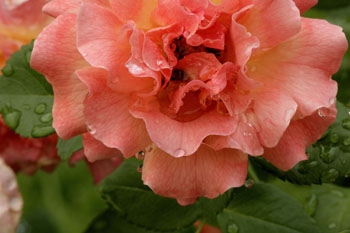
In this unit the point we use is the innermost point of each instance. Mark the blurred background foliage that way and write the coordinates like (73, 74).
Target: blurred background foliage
(66, 200)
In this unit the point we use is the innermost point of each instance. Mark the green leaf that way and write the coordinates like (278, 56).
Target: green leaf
(331, 208)
(138, 204)
(112, 222)
(66, 148)
(265, 208)
(26, 97)
(329, 158)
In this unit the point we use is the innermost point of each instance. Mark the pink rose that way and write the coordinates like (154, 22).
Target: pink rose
(10, 200)
(200, 84)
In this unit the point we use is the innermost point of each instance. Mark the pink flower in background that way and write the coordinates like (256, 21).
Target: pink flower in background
(10, 200)
(195, 85)
(25, 154)
(20, 22)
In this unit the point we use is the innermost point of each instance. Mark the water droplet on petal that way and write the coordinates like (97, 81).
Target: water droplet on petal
(159, 62)
(140, 155)
(323, 112)
(40, 131)
(346, 124)
(179, 153)
(232, 228)
(247, 134)
(289, 114)
(332, 100)
(249, 183)
(332, 226)
(40, 109)
(46, 118)
(91, 129)
(330, 176)
(12, 119)
(311, 205)
(139, 168)
(334, 138)
(7, 70)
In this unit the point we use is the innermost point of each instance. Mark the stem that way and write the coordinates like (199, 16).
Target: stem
(199, 229)
(252, 174)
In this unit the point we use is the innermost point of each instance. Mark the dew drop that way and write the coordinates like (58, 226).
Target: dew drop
(40, 131)
(46, 118)
(139, 168)
(40, 108)
(232, 228)
(249, 183)
(289, 114)
(312, 164)
(250, 125)
(330, 176)
(91, 130)
(12, 119)
(332, 226)
(246, 134)
(332, 100)
(311, 205)
(7, 70)
(323, 112)
(334, 138)
(329, 156)
(346, 142)
(16, 204)
(346, 124)
(140, 155)
(28, 56)
(179, 153)
(159, 62)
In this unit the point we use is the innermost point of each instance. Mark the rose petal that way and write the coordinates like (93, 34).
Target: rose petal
(139, 11)
(102, 168)
(273, 111)
(271, 21)
(302, 66)
(304, 5)
(197, 175)
(113, 126)
(55, 55)
(56, 8)
(96, 150)
(104, 43)
(299, 135)
(185, 137)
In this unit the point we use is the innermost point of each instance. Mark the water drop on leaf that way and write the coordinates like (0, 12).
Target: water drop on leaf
(334, 138)
(330, 156)
(46, 118)
(40, 109)
(249, 183)
(7, 70)
(330, 175)
(232, 228)
(42, 131)
(312, 164)
(311, 205)
(12, 119)
(346, 124)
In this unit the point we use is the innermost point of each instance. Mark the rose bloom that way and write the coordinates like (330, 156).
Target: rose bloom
(195, 85)
(10, 200)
